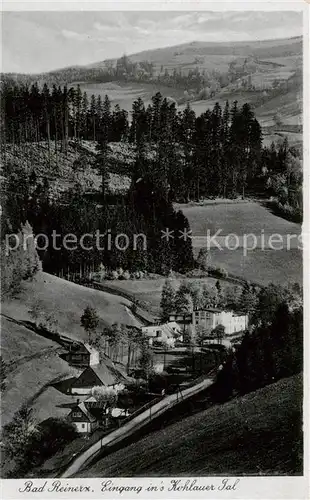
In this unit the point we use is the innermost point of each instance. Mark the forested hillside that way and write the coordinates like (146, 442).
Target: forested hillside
(216, 154)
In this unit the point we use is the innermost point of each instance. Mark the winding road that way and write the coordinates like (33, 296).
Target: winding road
(135, 424)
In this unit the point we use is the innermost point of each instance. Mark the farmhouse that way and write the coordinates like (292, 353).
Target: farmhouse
(83, 419)
(79, 354)
(165, 333)
(93, 376)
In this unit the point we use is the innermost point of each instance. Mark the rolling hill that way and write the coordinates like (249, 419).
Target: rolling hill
(66, 301)
(218, 55)
(32, 361)
(255, 434)
(260, 62)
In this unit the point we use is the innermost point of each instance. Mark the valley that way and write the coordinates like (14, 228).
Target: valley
(151, 254)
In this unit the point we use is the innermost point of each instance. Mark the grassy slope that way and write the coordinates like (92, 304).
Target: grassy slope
(246, 218)
(67, 301)
(32, 360)
(149, 290)
(214, 55)
(125, 93)
(275, 59)
(256, 434)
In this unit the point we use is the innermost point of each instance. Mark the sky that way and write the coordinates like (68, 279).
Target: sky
(42, 41)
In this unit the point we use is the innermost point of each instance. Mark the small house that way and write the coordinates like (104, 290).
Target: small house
(79, 354)
(93, 376)
(162, 334)
(83, 419)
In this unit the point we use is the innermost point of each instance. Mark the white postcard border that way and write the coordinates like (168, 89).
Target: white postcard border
(255, 487)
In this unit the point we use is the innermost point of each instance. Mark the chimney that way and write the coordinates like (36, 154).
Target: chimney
(77, 401)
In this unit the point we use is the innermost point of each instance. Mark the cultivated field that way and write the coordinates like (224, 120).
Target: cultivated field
(245, 218)
(256, 434)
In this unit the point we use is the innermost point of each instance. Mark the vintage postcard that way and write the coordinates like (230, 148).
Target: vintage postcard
(154, 190)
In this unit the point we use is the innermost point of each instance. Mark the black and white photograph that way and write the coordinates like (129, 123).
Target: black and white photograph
(151, 248)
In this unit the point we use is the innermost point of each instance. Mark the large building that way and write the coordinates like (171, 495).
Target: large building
(210, 318)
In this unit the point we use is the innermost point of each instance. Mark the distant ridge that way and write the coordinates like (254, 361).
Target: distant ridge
(232, 48)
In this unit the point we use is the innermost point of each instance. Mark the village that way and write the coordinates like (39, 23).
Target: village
(105, 396)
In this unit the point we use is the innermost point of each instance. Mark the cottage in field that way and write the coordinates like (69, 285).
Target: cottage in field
(93, 376)
(83, 419)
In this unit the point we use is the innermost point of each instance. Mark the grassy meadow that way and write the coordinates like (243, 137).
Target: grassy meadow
(66, 301)
(32, 363)
(245, 218)
(32, 360)
(124, 94)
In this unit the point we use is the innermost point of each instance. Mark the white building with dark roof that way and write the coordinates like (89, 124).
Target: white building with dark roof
(93, 376)
(83, 419)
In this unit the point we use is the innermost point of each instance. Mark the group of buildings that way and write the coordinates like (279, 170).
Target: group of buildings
(182, 327)
(86, 412)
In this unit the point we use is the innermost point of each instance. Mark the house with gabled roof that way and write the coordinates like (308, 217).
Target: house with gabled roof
(93, 376)
(165, 333)
(79, 354)
(84, 420)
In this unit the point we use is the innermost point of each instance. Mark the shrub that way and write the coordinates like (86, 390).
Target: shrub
(218, 272)
(119, 271)
(112, 275)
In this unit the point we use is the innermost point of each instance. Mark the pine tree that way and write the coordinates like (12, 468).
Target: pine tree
(89, 321)
(167, 302)
(204, 259)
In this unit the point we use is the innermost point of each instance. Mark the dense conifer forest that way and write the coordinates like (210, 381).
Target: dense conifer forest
(178, 156)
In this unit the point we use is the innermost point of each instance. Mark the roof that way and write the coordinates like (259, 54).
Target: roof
(209, 309)
(79, 347)
(106, 376)
(83, 408)
(91, 349)
(172, 324)
(91, 399)
(93, 375)
(175, 313)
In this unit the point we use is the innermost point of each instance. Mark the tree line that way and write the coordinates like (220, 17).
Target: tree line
(144, 211)
(218, 153)
(273, 350)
